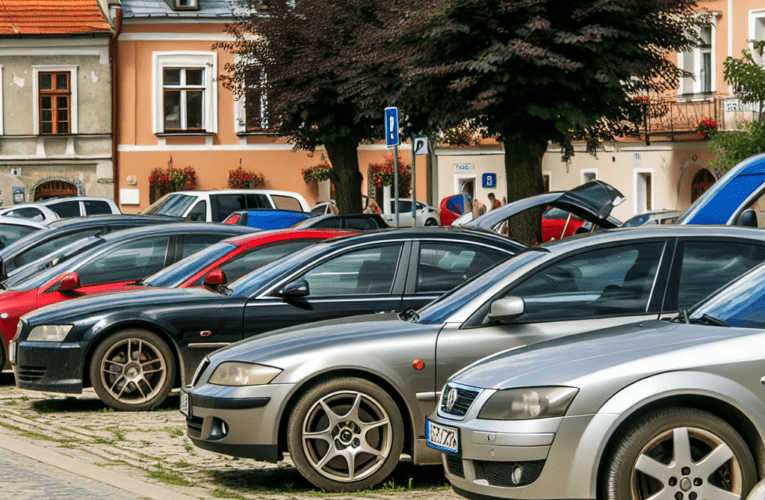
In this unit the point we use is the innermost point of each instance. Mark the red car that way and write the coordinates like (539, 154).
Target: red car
(235, 256)
(558, 224)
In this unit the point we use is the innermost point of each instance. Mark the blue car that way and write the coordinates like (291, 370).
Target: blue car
(266, 218)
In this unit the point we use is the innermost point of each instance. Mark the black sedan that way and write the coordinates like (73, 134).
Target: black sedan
(357, 222)
(133, 347)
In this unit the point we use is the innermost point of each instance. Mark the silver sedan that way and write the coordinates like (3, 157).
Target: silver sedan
(654, 410)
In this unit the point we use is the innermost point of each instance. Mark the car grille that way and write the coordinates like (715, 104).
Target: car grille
(30, 373)
(454, 465)
(194, 426)
(501, 473)
(465, 398)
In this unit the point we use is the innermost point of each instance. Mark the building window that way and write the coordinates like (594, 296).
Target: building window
(756, 33)
(185, 95)
(252, 107)
(643, 191)
(699, 62)
(184, 4)
(55, 95)
(184, 99)
(588, 176)
(55, 104)
(547, 180)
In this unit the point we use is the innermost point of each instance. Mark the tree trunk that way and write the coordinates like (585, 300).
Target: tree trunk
(344, 157)
(523, 168)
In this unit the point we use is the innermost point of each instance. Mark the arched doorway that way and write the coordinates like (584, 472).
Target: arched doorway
(701, 182)
(54, 189)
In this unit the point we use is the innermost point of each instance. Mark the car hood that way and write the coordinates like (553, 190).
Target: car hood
(291, 347)
(592, 201)
(615, 355)
(73, 310)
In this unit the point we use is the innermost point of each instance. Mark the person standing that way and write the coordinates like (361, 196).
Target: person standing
(494, 202)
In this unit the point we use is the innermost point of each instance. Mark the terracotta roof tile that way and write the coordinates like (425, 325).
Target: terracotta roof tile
(51, 17)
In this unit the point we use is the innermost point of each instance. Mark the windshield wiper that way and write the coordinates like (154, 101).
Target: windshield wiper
(708, 319)
(683, 316)
(409, 315)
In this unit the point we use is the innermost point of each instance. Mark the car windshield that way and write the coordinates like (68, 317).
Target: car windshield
(255, 280)
(740, 303)
(182, 270)
(171, 204)
(37, 273)
(440, 309)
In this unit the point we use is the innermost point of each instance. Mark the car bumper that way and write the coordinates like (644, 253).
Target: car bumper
(552, 458)
(238, 421)
(48, 366)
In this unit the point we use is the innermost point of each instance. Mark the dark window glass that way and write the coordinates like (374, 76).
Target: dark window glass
(128, 262)
(444, 265)
(333, 222)
(199, 212)
(605, 282)
(54, 94)
(195, 76)
(258, 201)
(194, 109)
(371, 270)
(66, 208)
(27, 213)
(50, 246)
(62, 81)
(172, 110)
(194, 243)
(172, 76)
(46, 81)
(10, 233)
(709, 265)
(361, 224)
(96, 207)
(225, 204)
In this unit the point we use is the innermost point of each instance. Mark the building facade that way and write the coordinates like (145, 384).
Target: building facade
(55, 100)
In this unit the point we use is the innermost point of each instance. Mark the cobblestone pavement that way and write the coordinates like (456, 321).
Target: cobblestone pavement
(152, 446)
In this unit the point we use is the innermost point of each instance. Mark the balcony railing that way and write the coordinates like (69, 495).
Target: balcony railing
(667, 116)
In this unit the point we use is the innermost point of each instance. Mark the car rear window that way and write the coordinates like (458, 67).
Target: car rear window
(66, 208)
(174, 205)
(97, 207)
(286, 203)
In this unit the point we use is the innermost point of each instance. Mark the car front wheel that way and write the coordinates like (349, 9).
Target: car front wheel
(345, 434)
(680, 453)
(132, 370)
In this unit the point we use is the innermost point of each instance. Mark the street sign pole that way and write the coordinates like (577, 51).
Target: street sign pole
(392, 139)
(414, 185)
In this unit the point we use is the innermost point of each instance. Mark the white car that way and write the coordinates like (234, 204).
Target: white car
(74, 206)
(426, 215)
(15, 228)
(215, 206)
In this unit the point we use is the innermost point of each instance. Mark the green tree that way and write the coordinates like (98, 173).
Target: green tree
(309, 56)
(535, 71)
(747, 77)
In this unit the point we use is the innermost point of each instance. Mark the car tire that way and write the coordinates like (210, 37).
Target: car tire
(431, 222)
(665, 449)
(3, 356)
(132, 370)
(329, 430)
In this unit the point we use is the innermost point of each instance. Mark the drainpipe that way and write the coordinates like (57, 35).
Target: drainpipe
(115, 100)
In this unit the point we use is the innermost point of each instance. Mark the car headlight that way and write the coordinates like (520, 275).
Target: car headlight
(528, 403)
(49, 333)
(233, 373)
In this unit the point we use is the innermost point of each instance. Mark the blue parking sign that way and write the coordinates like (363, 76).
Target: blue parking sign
(489, 180)
(391, 127)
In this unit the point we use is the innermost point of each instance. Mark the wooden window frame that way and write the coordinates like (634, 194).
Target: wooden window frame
(55, 93)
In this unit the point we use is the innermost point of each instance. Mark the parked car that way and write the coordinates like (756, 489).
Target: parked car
(660, 217)
(101, 263)
(266, 218)
(14, 228)
(32, 212)
(174, 329)
(346, 418)
(324, 207)
(357, 222)
(656, 409)
(215, 206)
(426, 215)
(73, 206)
(62, 233)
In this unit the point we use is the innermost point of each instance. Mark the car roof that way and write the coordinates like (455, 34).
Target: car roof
(434, 232)
(287, 234)
(92, 220)
(177, 228)
(72, 198)
(20, 221)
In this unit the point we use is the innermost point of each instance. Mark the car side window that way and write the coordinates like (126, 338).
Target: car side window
(332, 222)
(192, 243)
(286, 203)
(358, 272)
(199, 212)
(96, 207)
(11, 232)
(605, 282)
(127, 262)
(257, 257)
(360, 223)
(66, 208)
(53, 244)
(443, 266)
(224, 204)
(707, 266)
(258, 201)
(27, 213)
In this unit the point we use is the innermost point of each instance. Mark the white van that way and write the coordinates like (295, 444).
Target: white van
(215, 206)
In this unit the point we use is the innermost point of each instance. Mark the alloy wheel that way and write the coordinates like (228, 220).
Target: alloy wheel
(133, 371)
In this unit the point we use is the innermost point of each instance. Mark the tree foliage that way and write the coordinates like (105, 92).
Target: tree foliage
(746, 76)
(534, 71)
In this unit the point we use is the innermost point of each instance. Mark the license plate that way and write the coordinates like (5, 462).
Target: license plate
(442, 437)
(185, 408)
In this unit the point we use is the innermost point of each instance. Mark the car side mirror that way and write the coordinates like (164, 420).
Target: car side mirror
(215, 277)
(295, 289)
(507, 309)
(69, 281)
